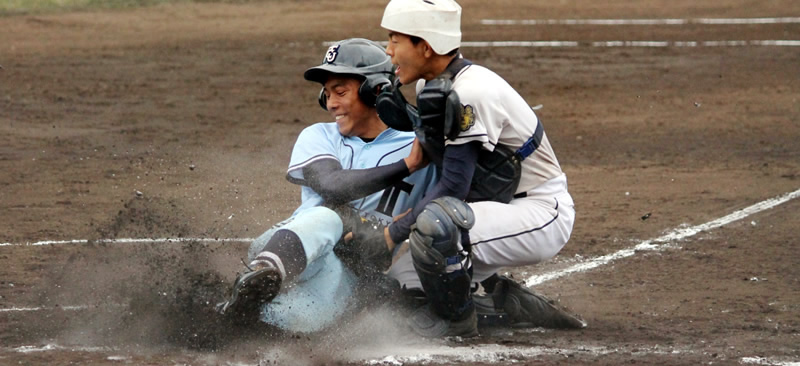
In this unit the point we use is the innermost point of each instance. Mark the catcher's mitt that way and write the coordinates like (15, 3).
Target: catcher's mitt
(365, 252)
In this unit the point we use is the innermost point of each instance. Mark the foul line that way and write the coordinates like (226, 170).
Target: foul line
(485, 353)
(733, 43)
(128, 241)
(37, 308)
(495, 353)
(647, 245)
(542, 44)
(769, 361)
(668, 21)
(660, 242)
(56, 347)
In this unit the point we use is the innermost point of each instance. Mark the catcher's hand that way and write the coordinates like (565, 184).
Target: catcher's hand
(363, 247)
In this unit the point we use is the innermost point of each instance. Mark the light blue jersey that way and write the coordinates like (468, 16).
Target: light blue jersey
(323, 141)
(324, 291)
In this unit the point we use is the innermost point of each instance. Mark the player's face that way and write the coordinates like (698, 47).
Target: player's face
(351, 114)
(407, 56)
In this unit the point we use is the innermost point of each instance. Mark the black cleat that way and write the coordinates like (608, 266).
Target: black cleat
(511, 304)
(426, 323)
(250, 292)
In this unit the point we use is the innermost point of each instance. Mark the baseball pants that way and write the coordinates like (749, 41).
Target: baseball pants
(324, 290)
(525, 231)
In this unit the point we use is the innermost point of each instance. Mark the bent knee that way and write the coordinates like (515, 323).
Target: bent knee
(322, 216)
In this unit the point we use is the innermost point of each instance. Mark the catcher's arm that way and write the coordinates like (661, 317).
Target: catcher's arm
(457, 171)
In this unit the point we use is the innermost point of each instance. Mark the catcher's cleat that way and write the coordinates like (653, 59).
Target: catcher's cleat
(426, 323)
(250, 292)
(511, 304)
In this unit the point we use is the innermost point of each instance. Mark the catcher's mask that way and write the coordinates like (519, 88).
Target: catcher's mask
(361, 58)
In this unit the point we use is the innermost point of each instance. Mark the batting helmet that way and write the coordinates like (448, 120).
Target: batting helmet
(361, 58)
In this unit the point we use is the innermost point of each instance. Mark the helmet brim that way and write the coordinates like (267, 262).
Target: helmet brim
(321, 73)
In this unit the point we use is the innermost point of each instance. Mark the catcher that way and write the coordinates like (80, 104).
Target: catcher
(494, 154)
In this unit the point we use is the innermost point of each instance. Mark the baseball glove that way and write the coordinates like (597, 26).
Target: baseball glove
(365, 252)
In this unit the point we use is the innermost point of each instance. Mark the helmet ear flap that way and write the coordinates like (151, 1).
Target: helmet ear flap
(368, 91)
(322, 99)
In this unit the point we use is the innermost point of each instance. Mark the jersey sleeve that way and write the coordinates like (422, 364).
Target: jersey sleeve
(313, 144)
(483, 114)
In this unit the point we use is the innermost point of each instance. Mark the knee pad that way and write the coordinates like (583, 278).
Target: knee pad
(439, 226)
(441, 263)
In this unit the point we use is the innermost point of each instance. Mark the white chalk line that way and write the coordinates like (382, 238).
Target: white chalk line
(37, 308)
(495, 353)
(106, 241)
(442, 353)
(768, 361)
(512, 354)
(662, 21)
(640, 44)
(661, 242)
(62, 307)
(629, 44)
(586, 265)
(56, 347)
(129, 241)
(500, 353)
(487, 353)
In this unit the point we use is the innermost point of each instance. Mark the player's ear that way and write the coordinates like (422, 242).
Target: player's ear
(427, 50)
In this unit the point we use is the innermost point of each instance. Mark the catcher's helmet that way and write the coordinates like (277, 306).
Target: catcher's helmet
(358, 57)
(436, 21)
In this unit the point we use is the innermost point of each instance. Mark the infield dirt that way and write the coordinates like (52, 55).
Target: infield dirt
(178, 121)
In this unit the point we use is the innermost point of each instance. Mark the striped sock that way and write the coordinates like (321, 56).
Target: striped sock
(267, 259)
(285, 252)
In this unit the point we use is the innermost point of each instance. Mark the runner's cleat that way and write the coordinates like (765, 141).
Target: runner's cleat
(250, 292)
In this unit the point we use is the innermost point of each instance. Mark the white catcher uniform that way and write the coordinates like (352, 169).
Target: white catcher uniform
(528, 229)
(323, 291)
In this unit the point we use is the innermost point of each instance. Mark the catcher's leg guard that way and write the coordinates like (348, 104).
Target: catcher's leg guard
(443, 268)
(511, 304)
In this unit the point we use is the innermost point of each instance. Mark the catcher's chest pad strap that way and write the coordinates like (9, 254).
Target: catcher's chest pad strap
(438, 104)
(497, 173)
(532, 144)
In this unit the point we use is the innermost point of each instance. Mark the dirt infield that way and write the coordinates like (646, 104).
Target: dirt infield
(178, 121)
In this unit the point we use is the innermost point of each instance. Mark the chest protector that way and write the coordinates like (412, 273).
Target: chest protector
(438, 116)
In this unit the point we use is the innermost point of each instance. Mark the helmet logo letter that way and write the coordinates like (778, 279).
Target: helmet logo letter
(330, 56)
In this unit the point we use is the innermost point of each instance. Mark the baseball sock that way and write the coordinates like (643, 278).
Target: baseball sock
(285, 252)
